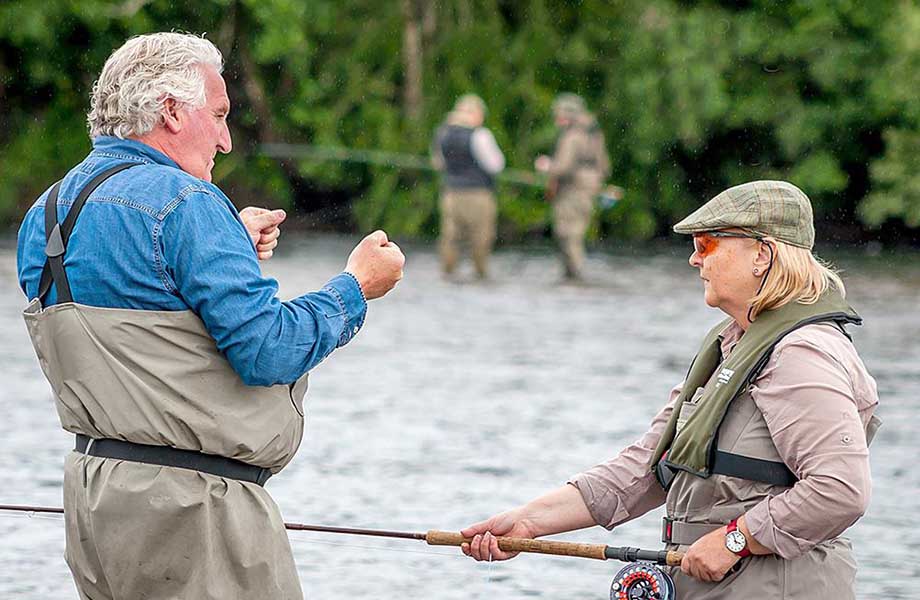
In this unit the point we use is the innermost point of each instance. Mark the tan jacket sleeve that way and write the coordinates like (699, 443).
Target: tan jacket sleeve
(816, 398)
(565, 157)
(603, 158)
(624, 488)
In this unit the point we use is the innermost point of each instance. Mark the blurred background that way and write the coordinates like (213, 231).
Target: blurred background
(460, 398)
(692, 97)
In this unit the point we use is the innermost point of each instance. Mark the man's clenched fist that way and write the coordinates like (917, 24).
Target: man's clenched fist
(263, 228)
(377, 264)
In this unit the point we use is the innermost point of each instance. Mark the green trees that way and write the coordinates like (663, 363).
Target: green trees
(693, 97)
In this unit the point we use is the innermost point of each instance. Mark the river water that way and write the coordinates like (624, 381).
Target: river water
(458, 400)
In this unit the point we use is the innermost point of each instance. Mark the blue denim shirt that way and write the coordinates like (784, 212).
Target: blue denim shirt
(154, 237)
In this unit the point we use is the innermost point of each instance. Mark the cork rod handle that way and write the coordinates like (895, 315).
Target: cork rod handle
(510, 544)
(673, 558)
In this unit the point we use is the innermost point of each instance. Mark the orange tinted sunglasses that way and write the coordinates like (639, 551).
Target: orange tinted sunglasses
(705, 243)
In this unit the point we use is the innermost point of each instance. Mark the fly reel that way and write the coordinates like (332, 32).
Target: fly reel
(642, 581)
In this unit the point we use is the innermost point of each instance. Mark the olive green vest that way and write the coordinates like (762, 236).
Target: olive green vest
(691, 447)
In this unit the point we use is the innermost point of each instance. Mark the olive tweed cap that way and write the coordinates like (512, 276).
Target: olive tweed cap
(569, 105)
(764, 208)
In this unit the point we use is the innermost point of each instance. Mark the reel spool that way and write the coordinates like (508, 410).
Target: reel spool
(642, 581)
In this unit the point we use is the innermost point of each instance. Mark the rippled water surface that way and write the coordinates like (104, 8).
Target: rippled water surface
(458, 400)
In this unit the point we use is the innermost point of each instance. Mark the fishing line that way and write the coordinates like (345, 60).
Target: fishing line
(32, 515)
(388, 548)
(442, 571)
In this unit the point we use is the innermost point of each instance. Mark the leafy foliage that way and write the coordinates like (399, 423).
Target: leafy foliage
(693, 97)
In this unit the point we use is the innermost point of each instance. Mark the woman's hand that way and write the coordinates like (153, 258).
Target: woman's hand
(556, 511)
(485, 543)
(708, 559)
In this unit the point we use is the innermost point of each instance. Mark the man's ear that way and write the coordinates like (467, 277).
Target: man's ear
(764, 255)
(171, 119)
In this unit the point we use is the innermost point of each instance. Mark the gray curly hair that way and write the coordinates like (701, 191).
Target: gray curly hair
(137, 79)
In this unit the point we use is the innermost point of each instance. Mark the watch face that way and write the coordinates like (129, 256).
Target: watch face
(735, 541)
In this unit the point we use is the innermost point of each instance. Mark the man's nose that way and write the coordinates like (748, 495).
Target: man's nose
(224, 143)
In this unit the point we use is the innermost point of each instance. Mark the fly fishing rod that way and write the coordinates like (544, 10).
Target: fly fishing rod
(639, 581)
(434, 537)
(606, 198)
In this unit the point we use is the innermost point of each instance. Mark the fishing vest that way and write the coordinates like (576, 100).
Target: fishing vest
(690, 443)
(462, 171)
(151, 377)
(586, 171)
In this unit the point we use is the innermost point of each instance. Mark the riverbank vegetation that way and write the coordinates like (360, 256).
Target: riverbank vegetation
(692, 97)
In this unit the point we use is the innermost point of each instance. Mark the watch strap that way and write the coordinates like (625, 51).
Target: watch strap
(733, 526)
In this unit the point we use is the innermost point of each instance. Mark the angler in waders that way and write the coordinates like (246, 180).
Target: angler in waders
(761, 454)
(170, 357)
(577, 171)
(466, 154)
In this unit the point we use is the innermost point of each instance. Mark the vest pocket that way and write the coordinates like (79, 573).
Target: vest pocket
(687, 408)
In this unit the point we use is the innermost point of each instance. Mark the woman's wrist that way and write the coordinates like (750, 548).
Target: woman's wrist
(753, 545)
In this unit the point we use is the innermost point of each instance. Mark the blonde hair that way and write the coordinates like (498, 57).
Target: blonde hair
(797, 275)
(137, 79)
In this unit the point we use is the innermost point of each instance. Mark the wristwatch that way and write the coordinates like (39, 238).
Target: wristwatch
(735, 540)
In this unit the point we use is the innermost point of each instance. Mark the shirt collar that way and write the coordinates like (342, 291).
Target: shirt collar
(131, 150)
(729, 337)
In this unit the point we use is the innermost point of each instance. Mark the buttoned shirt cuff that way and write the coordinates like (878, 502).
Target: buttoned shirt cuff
(347, 292)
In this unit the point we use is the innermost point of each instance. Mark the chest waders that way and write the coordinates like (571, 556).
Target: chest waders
(717, 460)
(163, 494)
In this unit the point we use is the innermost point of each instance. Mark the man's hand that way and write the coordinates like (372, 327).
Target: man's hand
(262, 225)
(543, 163)
(708, 559)
(377, 264)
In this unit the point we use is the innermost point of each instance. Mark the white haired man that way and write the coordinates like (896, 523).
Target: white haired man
(469, 159)
(169, 355)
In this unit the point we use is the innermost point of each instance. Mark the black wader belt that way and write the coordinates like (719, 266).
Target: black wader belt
(172, 457)
(57, 235)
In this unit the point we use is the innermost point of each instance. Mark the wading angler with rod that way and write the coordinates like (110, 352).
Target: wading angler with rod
(642, 579)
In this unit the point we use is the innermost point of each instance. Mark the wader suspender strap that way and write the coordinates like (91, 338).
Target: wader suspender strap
(57, 235)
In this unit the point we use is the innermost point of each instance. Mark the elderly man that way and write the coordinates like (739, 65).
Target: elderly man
(467, 155)
(577, 171)
(169, 355)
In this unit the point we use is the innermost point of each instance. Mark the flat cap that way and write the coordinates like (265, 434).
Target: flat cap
(766, 208)
(569, 105)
